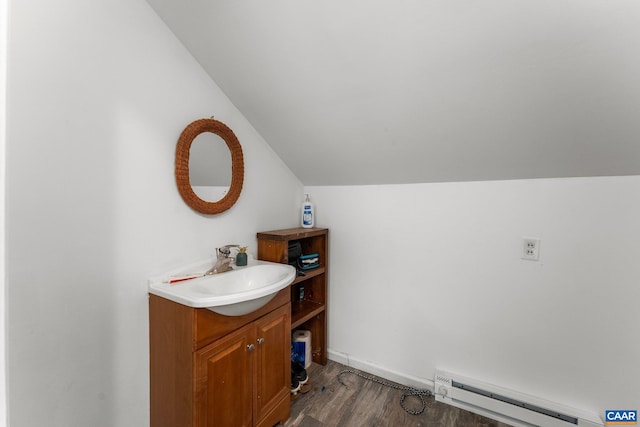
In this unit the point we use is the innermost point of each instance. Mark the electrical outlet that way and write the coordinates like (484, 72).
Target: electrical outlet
(530, 248)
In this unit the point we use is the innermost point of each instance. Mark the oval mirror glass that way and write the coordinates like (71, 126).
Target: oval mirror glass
(210, 167)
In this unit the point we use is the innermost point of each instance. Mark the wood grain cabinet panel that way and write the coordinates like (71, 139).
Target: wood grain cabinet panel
(273, 344)
(209, 370)
(224, 394)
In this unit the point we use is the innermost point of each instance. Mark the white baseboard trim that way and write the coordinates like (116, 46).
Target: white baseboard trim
(380, 371)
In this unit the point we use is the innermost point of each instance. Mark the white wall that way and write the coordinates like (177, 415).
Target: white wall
(98, 94)
(429, 276)
(3, 129)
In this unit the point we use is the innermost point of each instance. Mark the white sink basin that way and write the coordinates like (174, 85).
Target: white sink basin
(233, 293)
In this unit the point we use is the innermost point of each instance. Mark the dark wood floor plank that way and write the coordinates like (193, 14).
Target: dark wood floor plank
(366, 415)
(352, 401)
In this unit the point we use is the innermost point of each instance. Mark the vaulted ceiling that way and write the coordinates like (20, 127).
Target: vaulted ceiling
(405, 91)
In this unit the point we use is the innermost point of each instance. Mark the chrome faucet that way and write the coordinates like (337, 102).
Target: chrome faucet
(223, 260)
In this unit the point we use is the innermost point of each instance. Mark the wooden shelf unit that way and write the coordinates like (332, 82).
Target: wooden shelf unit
(310, 311)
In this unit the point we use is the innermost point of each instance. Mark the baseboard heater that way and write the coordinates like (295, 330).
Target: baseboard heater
(508, 406)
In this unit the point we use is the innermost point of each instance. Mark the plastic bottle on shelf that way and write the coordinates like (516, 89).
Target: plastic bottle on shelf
(307, 213)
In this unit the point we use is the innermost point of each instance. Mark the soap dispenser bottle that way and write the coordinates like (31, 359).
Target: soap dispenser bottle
(307, 213)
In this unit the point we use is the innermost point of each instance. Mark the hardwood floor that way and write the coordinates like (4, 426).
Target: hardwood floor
(362, 403)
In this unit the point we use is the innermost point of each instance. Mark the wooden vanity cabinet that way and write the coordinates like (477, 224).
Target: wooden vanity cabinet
(308, 292)
(211, 370)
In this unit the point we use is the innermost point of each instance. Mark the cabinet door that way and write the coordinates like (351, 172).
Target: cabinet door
(273, 366)
(224, 373)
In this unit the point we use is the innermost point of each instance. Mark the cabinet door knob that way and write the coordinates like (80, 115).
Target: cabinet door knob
(250, 347)
(260, 341)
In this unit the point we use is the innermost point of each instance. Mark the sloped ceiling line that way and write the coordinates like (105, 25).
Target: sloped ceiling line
(362, 92)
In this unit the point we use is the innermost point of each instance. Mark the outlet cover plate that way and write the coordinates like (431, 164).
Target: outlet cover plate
(531, 248)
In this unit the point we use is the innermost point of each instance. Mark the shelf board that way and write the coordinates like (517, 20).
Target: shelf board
(301, 311)
(292, 233)
(309, 274)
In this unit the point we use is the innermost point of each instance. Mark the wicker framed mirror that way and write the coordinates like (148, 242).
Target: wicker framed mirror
(183, 151)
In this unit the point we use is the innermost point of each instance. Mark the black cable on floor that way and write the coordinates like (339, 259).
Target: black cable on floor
(409, 391)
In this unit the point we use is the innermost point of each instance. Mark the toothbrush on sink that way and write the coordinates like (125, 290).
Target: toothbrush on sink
(172, 280)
